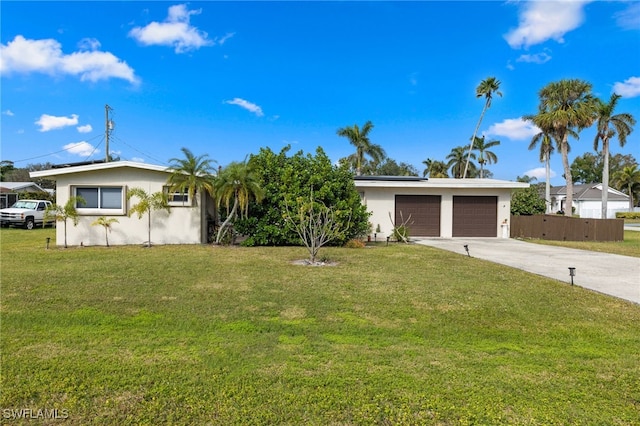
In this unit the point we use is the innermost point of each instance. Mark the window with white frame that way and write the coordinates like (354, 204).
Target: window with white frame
(177, 198)
(102, 200)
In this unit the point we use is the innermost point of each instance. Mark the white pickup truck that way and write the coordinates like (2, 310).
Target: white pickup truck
(25, 213)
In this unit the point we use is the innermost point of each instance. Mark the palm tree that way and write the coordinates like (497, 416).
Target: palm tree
(237, 181)
(435, 169)
(360, 139)
(191, 174)
(486, 88)
(147, 203)
(608, 126)
(628, 178)
(484, 155)
(457, 162)
(62, 213)
(106, 223)
(565, 106)
(546, 149)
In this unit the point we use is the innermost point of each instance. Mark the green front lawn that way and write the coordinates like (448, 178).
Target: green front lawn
(403, 334)
(629, 247)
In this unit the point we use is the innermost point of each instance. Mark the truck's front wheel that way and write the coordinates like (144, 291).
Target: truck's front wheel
(29, 224)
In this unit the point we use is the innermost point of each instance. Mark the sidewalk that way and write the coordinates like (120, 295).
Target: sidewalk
(610, 274)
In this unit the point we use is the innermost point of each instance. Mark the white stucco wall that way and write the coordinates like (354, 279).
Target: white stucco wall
(181, 226)
(380, 201)
(593, 209)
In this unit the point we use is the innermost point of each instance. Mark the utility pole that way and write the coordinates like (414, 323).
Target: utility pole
(108, 126)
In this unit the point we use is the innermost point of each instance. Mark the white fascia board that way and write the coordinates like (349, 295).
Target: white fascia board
(100, 166)
(442, 183)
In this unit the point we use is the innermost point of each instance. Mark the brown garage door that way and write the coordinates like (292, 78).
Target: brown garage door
(424, 211)
(475, 216)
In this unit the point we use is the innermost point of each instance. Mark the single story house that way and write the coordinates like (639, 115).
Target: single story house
(104, 187)
(10, 191)
(438, 207)
(587, 200)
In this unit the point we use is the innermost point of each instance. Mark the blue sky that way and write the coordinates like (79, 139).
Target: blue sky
(226, 78)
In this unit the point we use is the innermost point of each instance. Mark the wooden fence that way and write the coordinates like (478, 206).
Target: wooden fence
(562, 228)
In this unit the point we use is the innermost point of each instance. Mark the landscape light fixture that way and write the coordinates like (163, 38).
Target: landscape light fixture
(466, 247)
(572, 273)
(48, 239)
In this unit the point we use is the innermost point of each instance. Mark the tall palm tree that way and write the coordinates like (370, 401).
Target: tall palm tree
(457, 162)
(237, 181)
(628, 179)
(485, 156)
(487, 88)
(565, 106)
(191, 174)
(147, 202)
(435, 169)
(546, 149)
(608, 126)
(360, 139)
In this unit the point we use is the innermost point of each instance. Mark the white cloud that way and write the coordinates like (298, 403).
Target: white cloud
(543, 20)
(629, 19)
(249, 106)
(538, 58)
(8, 112)
(85, 129)
(83, 149)
(221, 40)
(630, 88)
(45, 56)
(89, 44)
(539, 173)
(137, 159)
(514, 128)
(175, 31)
(50, 122)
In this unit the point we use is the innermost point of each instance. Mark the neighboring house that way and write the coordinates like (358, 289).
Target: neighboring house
(439, 207)
(587, 200)
(10, 191)
(104, 187)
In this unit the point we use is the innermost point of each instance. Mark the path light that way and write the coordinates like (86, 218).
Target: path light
(48, 239)
(388, 239)
(466, 247)
(572, 273)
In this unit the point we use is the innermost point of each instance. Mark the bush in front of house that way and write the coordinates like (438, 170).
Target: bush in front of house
(527, 201)
(628, 215)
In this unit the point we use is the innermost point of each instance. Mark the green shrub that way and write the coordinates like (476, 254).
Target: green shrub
(354, 243)
(628, 215)
(401, 233)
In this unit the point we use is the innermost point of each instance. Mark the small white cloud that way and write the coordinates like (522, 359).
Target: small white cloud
(514, 129)
(83, 149)
(8, 112)
(413, 79)
(630, 88)
(85, 129)
(538, 58)
(221, 40)
(510, 66)
(629, 19)
(544, 20)
(539, 173)
(89, 44)
(24, 56)
(249, 106)
(175, 31)
(50, 122)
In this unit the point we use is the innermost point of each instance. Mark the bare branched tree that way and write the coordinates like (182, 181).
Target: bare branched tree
(316, 225)
(401, 232)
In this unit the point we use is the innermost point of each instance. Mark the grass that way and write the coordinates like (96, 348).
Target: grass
(391, 335)
(629, 247)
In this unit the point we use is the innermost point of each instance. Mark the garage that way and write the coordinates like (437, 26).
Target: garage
(475, 216)
(424, 211)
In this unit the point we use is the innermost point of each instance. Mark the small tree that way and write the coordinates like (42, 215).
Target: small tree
(527, 201)
(316, 225)
(147, 203)
(106, 223)
(62, 213)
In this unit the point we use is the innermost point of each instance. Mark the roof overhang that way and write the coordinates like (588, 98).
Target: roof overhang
(376, 182)
(98, 166)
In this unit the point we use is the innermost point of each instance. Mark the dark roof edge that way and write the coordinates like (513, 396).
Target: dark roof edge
(392, 178)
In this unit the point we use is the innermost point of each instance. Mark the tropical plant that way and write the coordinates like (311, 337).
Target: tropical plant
(106, 224)
(527, 201)
(435, 169)
(546, 149)
(456, 163)
(147, 203)
(62, 213)
(237, 181)
(191, 174)
(359, 137)
(487, 88)
(608, 126)
(485, 156)
(628, 179)
(565, 106)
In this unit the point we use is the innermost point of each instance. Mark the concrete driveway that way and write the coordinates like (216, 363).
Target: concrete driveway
(610, 274)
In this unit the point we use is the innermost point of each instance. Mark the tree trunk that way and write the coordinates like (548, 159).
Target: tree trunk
(605, 177)
(227, 221)
(568, 208)
(630, 198)
(547, 185)
(473, 138)
(149, 228)
(65, 233)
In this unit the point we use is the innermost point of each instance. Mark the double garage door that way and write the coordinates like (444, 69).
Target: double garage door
(473, 216)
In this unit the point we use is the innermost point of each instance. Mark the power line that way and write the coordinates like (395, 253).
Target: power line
(138, 151)
(57, 152)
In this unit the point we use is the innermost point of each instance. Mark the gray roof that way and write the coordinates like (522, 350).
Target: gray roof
(589, 191)
(20, 187)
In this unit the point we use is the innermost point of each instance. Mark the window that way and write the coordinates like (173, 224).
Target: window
(176, 198)
(100, 199)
